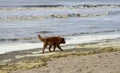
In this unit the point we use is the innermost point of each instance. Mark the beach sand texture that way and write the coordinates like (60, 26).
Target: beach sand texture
(96, 63)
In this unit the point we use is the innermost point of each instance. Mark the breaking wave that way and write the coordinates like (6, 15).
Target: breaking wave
(39, 12)
(40, 17)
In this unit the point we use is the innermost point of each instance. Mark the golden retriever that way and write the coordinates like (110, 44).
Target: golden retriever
(52, 41)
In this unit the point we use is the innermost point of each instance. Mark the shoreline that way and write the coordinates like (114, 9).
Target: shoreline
(36, 52)
(71, 41)
(28, 59)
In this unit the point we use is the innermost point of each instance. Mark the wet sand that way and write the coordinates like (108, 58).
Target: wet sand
(96, 57)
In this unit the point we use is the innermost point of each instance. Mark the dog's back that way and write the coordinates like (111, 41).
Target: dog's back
(55, 40)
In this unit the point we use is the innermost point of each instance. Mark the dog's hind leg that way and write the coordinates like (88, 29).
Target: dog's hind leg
(50, 48)
(44, 46)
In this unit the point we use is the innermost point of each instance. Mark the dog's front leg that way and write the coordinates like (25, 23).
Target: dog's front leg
(60, 48)
(54, 48)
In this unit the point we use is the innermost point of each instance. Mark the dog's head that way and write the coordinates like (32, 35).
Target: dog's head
(63, 41)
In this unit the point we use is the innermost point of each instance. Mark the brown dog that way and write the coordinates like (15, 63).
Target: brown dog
(52, 41)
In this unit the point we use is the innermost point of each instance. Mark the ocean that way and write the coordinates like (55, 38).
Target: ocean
(79, 21)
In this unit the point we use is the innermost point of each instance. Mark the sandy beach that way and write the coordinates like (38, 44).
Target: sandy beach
(97, 63)
(96, 57)
(91, 29)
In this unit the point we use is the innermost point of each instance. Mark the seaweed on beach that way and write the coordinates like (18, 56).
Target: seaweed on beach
(24, 64)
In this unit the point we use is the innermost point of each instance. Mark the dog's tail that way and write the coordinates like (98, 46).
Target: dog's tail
(41, 38)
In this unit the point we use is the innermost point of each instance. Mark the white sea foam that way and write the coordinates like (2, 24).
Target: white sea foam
(73, 40)
(91, 38)
(4, 48)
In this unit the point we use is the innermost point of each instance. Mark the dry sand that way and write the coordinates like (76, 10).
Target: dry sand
(96, 63)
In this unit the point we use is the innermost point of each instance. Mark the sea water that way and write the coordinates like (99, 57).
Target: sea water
(77, 21)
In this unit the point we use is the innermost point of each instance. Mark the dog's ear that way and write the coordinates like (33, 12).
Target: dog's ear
(62, 41)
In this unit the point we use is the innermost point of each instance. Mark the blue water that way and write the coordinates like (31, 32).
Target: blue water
(12, 27)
